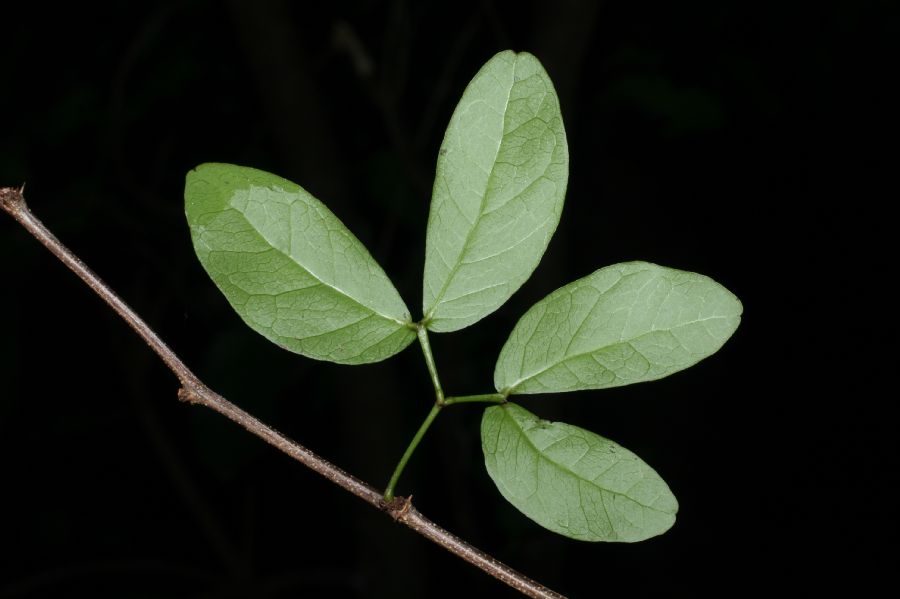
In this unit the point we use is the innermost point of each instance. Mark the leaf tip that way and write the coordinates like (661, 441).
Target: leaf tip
(738, 306)
(204, 167)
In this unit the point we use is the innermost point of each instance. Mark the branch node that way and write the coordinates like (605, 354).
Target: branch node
(399, 507)
(12, 199)
(189, 396)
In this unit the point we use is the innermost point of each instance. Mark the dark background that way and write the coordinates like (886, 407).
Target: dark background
(739, 140)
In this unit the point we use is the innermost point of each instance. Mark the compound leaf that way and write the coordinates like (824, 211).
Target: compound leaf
(291, 269)
(623, 324)
(498, 192)
(572, 481)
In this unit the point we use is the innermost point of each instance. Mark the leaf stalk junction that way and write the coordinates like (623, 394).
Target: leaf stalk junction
(439, 403)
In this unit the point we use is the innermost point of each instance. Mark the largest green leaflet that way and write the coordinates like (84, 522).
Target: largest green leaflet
(498, 192)
(297, 275)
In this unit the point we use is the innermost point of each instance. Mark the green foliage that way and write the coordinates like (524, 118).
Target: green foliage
(295, 274)
(498, 192)
(572, 481)
(291, 269)
(623, 324)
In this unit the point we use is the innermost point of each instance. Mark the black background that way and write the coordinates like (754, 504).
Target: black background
(740, 140)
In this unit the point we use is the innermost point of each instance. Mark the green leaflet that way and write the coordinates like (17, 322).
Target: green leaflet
(572, 481)
(623, 324)
(291, 269)
(498, 192)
